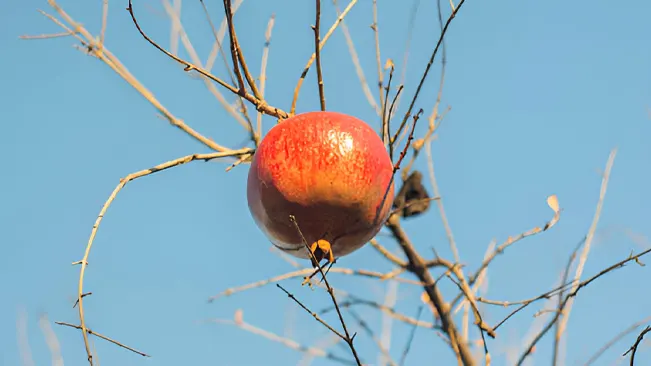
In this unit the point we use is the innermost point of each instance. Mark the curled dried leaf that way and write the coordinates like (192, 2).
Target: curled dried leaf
(412, 199)
(552, 201)
(389, 64)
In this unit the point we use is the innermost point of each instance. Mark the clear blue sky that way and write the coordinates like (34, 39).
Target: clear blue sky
(540, 93)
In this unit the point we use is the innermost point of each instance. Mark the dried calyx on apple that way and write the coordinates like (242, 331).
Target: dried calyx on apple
(328, 171)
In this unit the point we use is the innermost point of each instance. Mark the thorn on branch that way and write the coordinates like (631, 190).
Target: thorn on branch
(82, 296)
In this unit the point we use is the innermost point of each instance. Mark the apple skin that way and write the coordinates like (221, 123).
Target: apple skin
(331, 172)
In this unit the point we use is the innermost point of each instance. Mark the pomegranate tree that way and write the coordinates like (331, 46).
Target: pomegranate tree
(328, 171)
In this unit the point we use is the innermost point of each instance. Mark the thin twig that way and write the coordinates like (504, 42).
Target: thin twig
(240, 100)
(419, 268)
(565, 315)
(263, 69)
(305, 272)
(102, 33)
(572, 294)
(98, 335)
(405, 57)
(118, 188)
(358, 67)
(463, 286)
(317, 52)
(369, 332)
(114, 63)
(477, 283)
(386, 128)
(354, 301)
(236, 50)
(314, 315)
(241, 117)
(261, 105)
(616, 339)
(46, 36)
(386, 321)
(633, 348)
(429, 65)
(52, 340)
(327, 341)
(219, 38)
(410, 339)
(289, 343)
(297, 89)
(439, 203)
(378, 58)
(564, 279)
(396, 166)
(390, 116)
(508, 242)
(387, 254)
(349, 340)
(411, 23)
(174, 29)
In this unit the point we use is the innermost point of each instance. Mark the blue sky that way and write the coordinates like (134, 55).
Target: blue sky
(540, 92)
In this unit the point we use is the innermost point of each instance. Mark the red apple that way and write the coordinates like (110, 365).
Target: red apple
(328, 170)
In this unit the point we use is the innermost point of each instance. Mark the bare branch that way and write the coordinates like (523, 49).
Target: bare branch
(378, 58)
(317, 52)
(358, 68)
(289, 343)
(512, 240)
(354, 301)
(347, 338)
(52, 340)
(565, 315)
(412, 334)
(616, 339)
(102, 33)
(297, 89)
(263, 68)
(419, 268)
(89, 41)
(98, 335)
(633, 348)
(47, 36)
(261, 105)
(387, 254)
(429, 65)
(371, 334)
(118, 188)
(305, 272)
(242, 118)
(236, 51)
(439, 203)
(314, 315)
(219, 38)
(572, 294)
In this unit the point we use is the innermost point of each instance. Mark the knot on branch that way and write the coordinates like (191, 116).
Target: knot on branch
(412, 199)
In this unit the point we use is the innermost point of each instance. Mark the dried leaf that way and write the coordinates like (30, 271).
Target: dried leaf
(552, 201)
(412, 199)
(388, 64)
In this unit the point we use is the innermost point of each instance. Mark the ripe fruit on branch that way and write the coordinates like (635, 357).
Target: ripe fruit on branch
(332, 173)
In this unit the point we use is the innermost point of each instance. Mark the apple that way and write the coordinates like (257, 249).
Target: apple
(328, 171)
